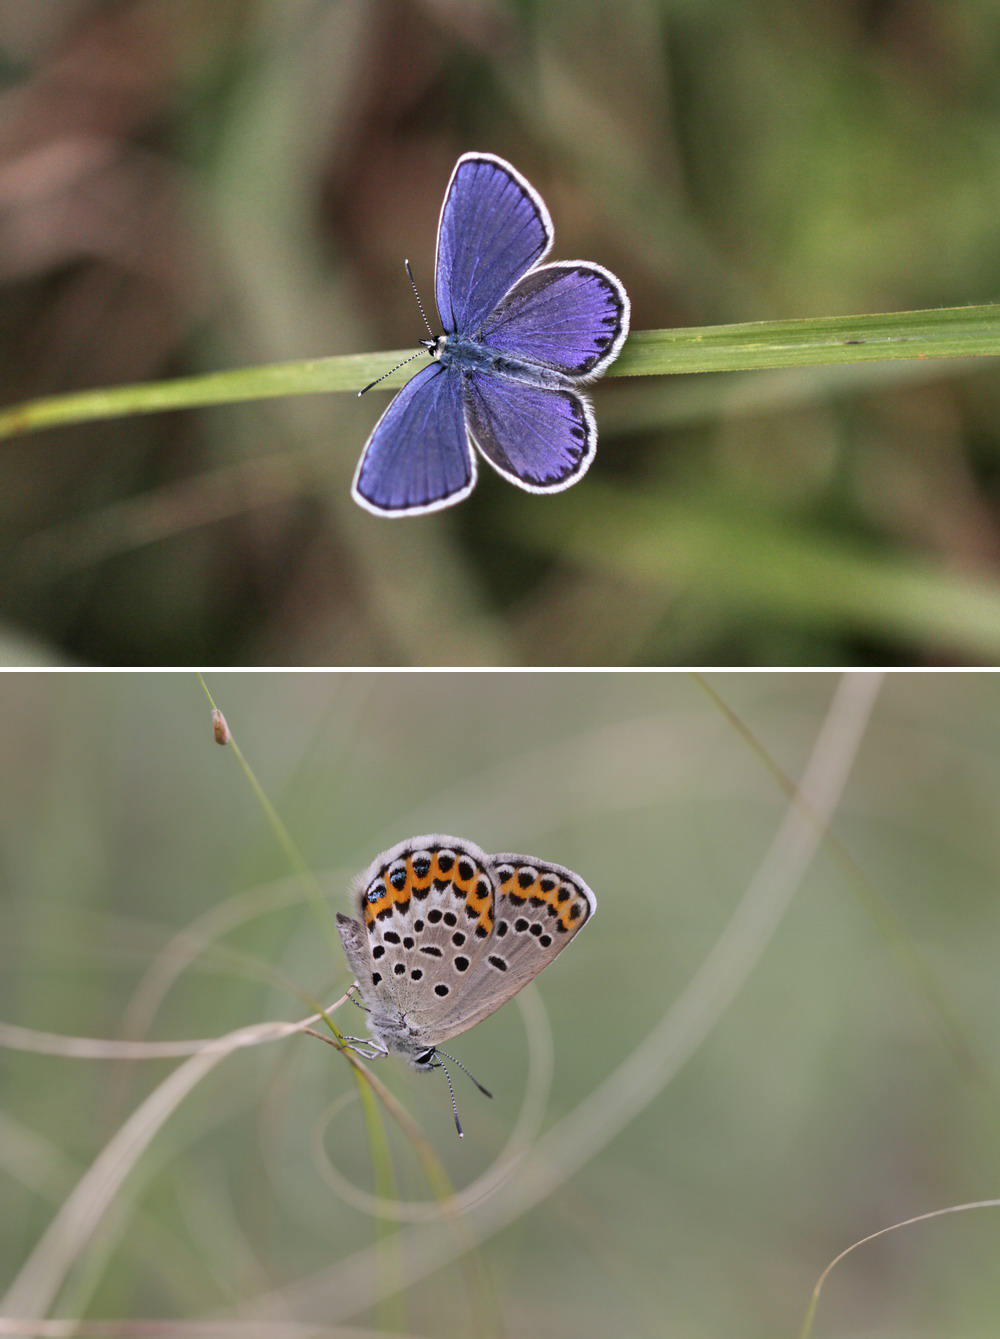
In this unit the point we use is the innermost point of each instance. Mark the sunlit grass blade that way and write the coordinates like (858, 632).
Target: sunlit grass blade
(946, 332)
(807, 1324)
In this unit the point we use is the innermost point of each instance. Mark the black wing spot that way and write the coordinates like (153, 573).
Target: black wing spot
(483, 888)
(418, 925)
(525, 877)
(445, 862)
(398, 879)
(417, 973)
(421, 866)
(433, 916)
(458, 939)
(378, 951)
(496, 962)
(408, 941)
(399, 969)
(450, 918)
(391, 937)
(536, 929)
(432, 951)
(520, 925)
(376, 978)
(501, 929)
(466, 869)
(545, 941)
(442, 990)
(461, 964)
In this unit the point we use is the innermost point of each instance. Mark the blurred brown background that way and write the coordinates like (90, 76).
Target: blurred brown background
(190, 186)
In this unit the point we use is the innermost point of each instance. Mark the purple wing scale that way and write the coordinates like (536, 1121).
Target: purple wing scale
(540, 439)
(570, 316)
(493, 227)
(418, 457)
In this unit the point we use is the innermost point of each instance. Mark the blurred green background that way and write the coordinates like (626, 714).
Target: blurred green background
(186, 187)
(824, 1105)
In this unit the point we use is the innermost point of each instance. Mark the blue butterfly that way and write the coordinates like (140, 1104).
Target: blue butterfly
(519, 340)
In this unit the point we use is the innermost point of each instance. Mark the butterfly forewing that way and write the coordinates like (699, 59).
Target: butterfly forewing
(418, 457)
(427, 912)
(493, 227)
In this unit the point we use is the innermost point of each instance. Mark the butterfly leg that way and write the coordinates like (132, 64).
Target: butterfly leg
(354, 999)
(367, 1047)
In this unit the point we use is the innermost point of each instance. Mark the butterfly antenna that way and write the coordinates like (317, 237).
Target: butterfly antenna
(413, 285)
(390, 372)
(485, 1091)
(454, 1104)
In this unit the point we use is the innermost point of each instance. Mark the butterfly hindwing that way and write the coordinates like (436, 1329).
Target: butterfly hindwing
(541, 439)
(571, 316)
(418, 457)
(540, 908)
(493, 227)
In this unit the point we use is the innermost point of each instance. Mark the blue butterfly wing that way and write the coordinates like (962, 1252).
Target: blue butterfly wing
(540, 439)
(571, 316)
(493, 227)
(418, 458)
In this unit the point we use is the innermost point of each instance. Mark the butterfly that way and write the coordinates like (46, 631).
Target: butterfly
(519, 340)
(447, 934)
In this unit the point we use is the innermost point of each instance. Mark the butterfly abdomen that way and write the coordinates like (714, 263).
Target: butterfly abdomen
(468, 355)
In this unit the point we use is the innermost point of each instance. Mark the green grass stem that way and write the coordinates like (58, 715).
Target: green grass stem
(946, 332)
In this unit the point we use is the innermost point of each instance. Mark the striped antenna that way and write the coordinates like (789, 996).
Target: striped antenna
(413, 285)
(455, 1061)
(390, 372)
(454, 1104)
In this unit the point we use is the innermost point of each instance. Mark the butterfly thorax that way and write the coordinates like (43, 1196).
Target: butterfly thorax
(469, 355)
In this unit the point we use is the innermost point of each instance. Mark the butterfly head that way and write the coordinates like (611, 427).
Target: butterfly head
(434, 346)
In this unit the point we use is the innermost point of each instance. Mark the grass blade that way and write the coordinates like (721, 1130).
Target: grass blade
(946, 332)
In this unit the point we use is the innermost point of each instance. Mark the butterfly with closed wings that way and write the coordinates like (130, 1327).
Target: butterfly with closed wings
(447, 934)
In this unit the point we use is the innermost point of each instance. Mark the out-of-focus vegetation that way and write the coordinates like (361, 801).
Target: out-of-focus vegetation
(145, 896)
(186, 187)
